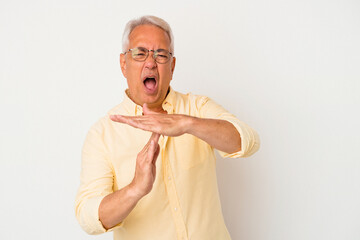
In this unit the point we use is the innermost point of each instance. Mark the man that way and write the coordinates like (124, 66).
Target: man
(148, 167)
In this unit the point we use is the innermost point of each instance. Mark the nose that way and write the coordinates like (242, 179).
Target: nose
(150, 61)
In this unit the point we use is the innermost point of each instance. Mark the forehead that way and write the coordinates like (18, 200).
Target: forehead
(149, 36)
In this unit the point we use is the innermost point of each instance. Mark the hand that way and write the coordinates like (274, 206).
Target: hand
(165, 124)
(145, 170)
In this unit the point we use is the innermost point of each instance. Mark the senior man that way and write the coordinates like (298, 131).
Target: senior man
(148, 166)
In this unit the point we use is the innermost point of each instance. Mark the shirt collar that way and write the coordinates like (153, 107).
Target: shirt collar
(136, 110)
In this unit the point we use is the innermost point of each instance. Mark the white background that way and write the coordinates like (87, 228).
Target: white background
(290, 69)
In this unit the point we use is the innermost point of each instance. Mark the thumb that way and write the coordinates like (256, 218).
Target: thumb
(147, 111)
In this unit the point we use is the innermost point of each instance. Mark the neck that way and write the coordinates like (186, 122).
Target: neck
(157, 109)
(153, 107)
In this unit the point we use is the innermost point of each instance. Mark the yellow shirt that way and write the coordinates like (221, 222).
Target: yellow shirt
(184, 202)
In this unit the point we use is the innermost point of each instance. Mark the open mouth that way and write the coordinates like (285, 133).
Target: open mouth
(150, 83)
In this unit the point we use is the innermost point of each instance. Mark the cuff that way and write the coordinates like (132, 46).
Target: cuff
(89, 219)
(250, 141)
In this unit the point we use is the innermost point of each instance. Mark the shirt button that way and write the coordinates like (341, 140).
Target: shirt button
(175, 209)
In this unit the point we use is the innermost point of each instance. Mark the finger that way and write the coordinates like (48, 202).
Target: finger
(136, 122)
(130, 120)
(118, 118)
(147, 110)
(143, 123)
(155, 137)
(151, 151)
(156, 154)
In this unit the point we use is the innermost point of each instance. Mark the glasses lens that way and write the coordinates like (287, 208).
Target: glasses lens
(162, 56)
(139, 54)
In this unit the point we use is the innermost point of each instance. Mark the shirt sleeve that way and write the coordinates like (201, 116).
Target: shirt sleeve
(250, 141)
(96, 181)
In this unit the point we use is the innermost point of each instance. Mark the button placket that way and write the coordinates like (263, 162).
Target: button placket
(170, 185)
(138, 110)
(172, 194)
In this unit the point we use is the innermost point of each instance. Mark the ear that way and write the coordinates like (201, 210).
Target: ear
(123, 64)
(173, 65)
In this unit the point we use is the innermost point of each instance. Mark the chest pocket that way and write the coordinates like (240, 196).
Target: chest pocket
(187, 151)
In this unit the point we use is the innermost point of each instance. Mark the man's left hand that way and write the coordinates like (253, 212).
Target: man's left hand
(165, 124)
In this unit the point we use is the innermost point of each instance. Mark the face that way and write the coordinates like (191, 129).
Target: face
(148, 81)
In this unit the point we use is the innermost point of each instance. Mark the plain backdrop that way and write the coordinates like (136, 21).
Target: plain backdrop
(290, 69)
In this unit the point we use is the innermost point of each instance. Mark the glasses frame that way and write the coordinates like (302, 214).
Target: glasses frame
(155, 54)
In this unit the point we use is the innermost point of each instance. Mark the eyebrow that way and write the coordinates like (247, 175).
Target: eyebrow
(158, 50)
(161, 50)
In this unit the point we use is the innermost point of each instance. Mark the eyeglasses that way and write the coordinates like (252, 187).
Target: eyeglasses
(140, 54)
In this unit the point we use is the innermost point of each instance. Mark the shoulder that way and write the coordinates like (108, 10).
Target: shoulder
(118, 109)
(104, 123)
(190, 98)
(189, 103)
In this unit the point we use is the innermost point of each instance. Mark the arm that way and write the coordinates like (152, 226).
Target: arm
(218, 133)
(115, 207)
(97, 206)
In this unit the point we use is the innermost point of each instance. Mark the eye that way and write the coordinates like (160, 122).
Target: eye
(162, 56)
(139, 54)
(139, 51)
(162, 53)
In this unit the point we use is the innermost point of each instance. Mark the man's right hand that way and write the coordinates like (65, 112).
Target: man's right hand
(145, 170)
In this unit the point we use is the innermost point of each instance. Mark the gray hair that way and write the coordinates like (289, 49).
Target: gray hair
(146, 20)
